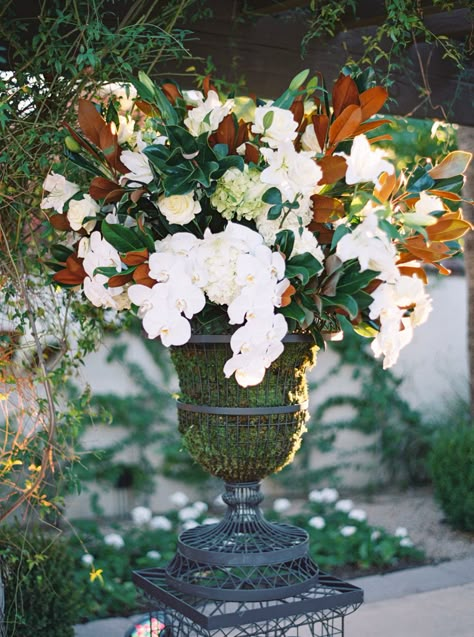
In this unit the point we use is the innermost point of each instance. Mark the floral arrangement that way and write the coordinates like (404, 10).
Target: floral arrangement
(208, 214)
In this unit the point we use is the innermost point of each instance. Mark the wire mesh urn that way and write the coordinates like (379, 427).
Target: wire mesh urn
(242, 435)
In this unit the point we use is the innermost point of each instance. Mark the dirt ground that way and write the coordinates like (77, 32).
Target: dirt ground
(417, 511)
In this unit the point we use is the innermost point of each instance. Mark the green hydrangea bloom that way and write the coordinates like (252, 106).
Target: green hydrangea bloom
(239, 194)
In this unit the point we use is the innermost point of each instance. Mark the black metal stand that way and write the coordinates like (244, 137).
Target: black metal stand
(247, 577)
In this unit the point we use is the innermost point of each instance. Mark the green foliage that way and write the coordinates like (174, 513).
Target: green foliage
(41, 597)
(452, 470)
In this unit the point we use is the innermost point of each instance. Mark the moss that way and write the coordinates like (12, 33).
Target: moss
(242, 448)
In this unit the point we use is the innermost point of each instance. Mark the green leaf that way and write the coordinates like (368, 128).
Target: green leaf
(61, 253)
(121, 238)
(295, 271)
(110, 271)
(306, 260)
(268, 119)
(338, 234)
(294, 311)
(275, 211)
(365, 329)
(84, 163)
(272, 196)
(298, 80)
(355, 281)
(221, 150)
(285, 240)
(343, 301)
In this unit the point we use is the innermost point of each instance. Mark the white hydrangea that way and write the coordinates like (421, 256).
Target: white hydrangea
(280, 505)
(347, 531)
(115, 540)
(160, 523)
(344, 505)
(239, 194)
(141, 515)
(317, 522)
(179, 499)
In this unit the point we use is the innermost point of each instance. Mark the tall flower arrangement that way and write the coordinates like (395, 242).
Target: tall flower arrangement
(251, 217)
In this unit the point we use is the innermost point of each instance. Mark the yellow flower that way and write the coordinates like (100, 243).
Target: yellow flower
(96, 574)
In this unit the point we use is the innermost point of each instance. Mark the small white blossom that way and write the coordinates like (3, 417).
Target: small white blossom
(190, 524)
(141, 515)
(347, 531)
(79, 209)
(208, 521)
(282, 128)
(160, 523)
(406, 542)
(401, 531)
(179, 499)
(296, 175)
(207, 114)
(138, 165)
(317, 522)
(358, 514)
(280, 505)
(115, 540)
(154, 555)
(200, 506)
(375, 535)
(87, 559)
(309, 141)
(188, 513)
(344, 505)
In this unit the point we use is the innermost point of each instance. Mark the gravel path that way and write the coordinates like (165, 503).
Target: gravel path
(416, 510)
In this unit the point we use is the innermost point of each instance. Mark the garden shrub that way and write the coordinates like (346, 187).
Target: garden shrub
(452, 469)
(41, 598)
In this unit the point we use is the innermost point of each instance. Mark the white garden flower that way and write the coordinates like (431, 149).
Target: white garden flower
(200, 506)
(100, 254)
(188, 513)
(282, 127)
(160, 523)
(141, 515)
(87, 559)
(344, 505)
(364, 163)
(401, 531)
(153, 555)
(60, 191)
(347, 531)
(179, 209)
(296, 175)
(371, 246)
(280, 505)
(115, 540)
(317, 522)
(358, 514)
(138, 165)
(190, 524)
(101, 296)
(305, 241)
(425, 205)
(125, 129)
(125, 93)
(309, 141)
(406, 542)
(375, 535)
(179, 499)
(79, 209)
(208, 521)
(206, 116)
(329, 495)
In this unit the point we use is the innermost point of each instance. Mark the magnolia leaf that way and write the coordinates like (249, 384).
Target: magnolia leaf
(345, 125)
(121, 238)
(326, 209)
(60, 222)
(294, 311)
(285, 240)
(334, 168)
(135, 257)
(117, 280)
(91, 122)
(344, 301)
(372, 100)
(61, 253)
(338, 234)
(141, 275)
(321, 127)
(306, 260)
(272, 196)
(344, 94)
(365, 329)
(448, 228)
(455, 163)
(103, 188)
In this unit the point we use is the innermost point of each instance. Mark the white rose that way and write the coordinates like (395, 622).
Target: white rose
(79, 209)
(125, 129)
(282, 126)
(179, 209)
(309, 141)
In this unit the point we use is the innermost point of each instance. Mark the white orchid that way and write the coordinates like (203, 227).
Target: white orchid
(138, 165)
(296, 175)
(371, 246)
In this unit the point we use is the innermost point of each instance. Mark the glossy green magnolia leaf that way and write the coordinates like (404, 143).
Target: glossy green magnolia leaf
(338, 234)
(275, 211)
(121, 238)
(307, 261)
(420, 180)
(61, 253)
(343, 301)
(365, 329)
(294, 311)
(300, 272)
(112, 271)
(84, 163)
(285, 240)
(352, 282)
